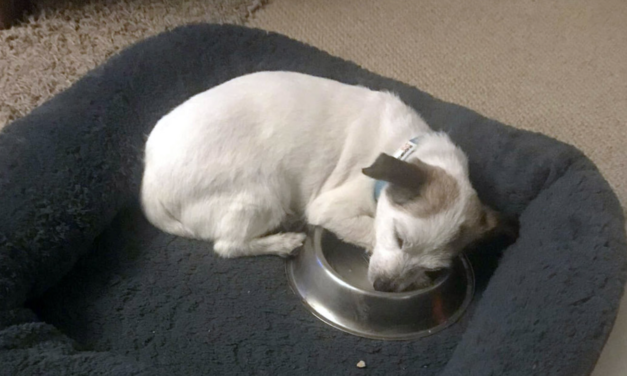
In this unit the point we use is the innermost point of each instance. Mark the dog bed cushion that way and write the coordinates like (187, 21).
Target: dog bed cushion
(87, 286)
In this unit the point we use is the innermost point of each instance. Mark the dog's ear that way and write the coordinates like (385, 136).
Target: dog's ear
(507, 226)
(496, 230)
(489, 219)
(406, 179)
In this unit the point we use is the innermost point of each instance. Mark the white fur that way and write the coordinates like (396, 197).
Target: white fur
(232, 163)
(424, 238)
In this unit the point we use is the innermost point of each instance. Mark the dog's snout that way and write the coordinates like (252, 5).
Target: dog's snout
(383, 285)
(415, 281)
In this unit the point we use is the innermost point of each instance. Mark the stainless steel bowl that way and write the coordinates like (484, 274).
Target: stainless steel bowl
(331, 278)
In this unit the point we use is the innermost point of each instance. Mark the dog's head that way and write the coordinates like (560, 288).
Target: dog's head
(426, 215)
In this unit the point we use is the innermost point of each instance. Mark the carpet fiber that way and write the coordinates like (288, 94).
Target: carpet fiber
(64, 39)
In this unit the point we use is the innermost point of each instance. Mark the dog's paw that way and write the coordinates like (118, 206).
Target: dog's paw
(288, 243)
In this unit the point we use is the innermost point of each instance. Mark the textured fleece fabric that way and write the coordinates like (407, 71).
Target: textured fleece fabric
(88, 287)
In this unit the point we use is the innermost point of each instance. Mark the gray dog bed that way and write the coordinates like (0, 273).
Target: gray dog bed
(87, 286)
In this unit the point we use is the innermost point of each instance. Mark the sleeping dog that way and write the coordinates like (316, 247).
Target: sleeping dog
(231, 164)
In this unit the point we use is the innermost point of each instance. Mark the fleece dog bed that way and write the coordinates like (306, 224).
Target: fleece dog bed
(88, 287)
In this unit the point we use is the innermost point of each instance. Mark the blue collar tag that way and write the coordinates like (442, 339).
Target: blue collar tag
(405, 151)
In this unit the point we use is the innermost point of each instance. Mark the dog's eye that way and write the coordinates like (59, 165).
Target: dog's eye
(399, 241)
(483, 220)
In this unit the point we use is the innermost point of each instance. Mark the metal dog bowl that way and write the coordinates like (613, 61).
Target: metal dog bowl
(331, 278)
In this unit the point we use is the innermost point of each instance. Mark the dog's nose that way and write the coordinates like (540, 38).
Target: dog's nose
(383, 285)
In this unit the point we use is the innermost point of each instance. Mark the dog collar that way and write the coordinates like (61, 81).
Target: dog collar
(405, 151)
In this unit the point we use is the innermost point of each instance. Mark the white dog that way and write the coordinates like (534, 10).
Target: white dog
(234, 162)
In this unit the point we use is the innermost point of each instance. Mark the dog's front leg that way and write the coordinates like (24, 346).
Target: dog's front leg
(357, 230)
(350, 219)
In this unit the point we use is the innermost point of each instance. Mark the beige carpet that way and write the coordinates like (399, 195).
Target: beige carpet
(558, 67)
(64, 39)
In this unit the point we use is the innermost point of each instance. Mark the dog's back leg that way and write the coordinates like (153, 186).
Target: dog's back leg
(281, 244)
(239, 227)
(242, 232)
